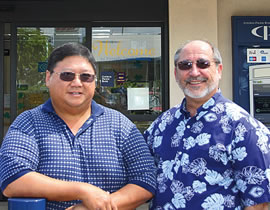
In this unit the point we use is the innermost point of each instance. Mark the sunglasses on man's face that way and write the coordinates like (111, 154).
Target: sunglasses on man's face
(70, 76)
(187, 64)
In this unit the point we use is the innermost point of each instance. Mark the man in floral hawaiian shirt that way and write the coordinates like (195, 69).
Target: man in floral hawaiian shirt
(211, 154)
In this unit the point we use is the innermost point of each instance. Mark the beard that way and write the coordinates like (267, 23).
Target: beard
(193, 93)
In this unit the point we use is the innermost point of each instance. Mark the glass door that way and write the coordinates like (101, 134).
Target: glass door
(34, 45)
(129, 71)
(5, 78)
(129, 61)
(23, 65)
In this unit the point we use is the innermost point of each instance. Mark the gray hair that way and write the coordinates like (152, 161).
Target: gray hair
(216, 53)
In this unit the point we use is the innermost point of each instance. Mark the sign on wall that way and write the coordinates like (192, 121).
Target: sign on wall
(251, 46)
(259, 55)
(107, 79)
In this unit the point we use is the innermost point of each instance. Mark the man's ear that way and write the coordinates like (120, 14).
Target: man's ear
(219, 70)
(48, 76)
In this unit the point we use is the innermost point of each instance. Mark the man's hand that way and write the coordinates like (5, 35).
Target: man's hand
(77, 207)
(94, 198)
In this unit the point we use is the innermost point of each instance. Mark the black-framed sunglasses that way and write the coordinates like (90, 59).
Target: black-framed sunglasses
(70, 76)
(187, 64)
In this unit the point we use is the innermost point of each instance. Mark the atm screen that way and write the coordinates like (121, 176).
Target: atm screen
(261, 104)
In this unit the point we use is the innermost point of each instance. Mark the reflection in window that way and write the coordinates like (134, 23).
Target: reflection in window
(34, 45)
(128, 60)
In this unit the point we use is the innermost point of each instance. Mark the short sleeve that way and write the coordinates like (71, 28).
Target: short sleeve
(19, 152)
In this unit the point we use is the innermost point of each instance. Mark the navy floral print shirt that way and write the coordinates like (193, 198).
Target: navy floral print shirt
(218, 159)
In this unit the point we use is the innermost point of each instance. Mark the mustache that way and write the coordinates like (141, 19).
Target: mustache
(201, 79)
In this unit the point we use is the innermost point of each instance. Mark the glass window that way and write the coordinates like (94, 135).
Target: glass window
(129, 69)
(34, 45)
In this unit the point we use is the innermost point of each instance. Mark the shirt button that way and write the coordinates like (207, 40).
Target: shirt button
(188, 126)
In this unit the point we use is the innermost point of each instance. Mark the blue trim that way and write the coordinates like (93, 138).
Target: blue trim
(13, 178)
(144, 185)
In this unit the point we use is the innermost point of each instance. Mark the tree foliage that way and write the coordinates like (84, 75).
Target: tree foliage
(32, 47)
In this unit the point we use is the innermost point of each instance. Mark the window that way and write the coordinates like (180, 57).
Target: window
(129, 70)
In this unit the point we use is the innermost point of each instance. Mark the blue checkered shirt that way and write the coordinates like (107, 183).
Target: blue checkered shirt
(108, 151)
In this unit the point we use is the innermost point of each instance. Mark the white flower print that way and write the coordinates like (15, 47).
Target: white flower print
(199, 187)
(161, 179)
(239, 153)
(210, 117)
(240, 131)
(189, 142)
(157, 141)
(253, 175)
(256, 191)
(218, 152)
(219, 108)
(241, 185)
(179, 201)
(209, 103)
(213, 177)
(181, 127)
(167, 168)
(157, 132)
(175, 140)
(168, 206)
(229, 201)
(262, 142)
(177, 114)
(198, 166)
(167, 117)
(188, 193)
(197, 127)
(177, 165)
(177, 186)
(162, 125)
(200, 115)
(185, 163)
(226, 127)
(234, 112)
(213, 202)
(249, 202)
(267, 173)
(203, 139)
(227, 180)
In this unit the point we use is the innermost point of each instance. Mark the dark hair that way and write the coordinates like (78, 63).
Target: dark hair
(216, 53)
(70, 49)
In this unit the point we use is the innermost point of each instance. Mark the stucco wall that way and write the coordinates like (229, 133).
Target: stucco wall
(189, 20)
(211, 20)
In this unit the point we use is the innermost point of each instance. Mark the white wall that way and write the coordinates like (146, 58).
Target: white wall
(211, 20)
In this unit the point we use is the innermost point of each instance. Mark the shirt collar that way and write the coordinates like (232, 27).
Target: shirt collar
(214, 98)
(96, 109)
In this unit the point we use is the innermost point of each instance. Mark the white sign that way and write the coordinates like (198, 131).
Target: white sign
(258, 55)
(138, 98)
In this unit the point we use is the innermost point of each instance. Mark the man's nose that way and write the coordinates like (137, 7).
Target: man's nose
(77, 80)
(194, 71)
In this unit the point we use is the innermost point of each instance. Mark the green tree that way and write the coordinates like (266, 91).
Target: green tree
(32, 47)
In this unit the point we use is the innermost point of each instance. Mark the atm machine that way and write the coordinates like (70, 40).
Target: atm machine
(259, 90)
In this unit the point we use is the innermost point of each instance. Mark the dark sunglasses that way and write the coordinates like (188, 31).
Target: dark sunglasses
(70, 76)
(187, 64)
